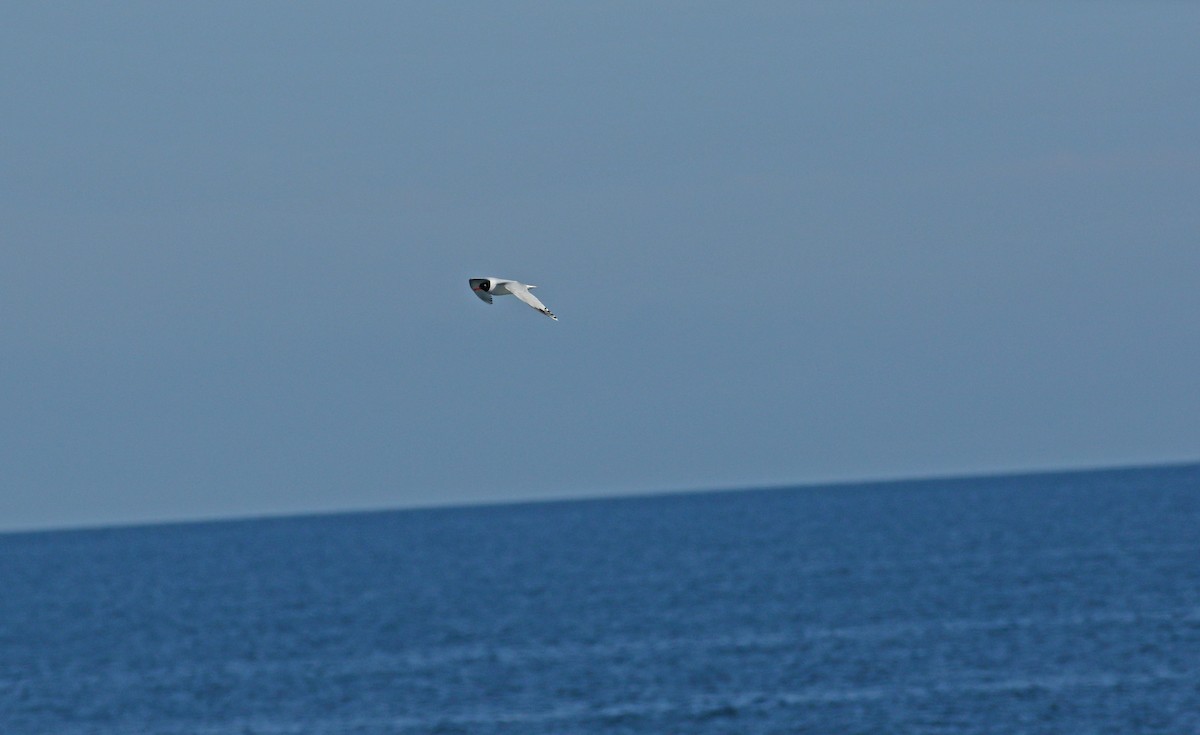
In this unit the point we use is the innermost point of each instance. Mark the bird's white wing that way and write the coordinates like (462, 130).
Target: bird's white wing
(521, 291)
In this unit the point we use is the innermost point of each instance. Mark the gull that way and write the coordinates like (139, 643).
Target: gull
(486, 288)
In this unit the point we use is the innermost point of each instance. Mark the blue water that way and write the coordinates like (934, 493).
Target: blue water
(1066, 603)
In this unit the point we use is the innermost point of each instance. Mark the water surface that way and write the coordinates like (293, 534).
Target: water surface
(1060, 603)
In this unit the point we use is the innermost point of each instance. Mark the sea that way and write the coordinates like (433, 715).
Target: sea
(1042, 603)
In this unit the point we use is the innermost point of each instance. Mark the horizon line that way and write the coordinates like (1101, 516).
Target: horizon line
(815, 484)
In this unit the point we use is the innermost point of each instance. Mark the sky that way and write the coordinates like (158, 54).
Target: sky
(788, 243)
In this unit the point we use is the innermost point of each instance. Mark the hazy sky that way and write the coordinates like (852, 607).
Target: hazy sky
(787, 243)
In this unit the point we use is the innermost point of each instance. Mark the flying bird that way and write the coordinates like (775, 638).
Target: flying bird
(486, 288)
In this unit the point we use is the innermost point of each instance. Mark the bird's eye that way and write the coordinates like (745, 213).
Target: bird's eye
(486, 286)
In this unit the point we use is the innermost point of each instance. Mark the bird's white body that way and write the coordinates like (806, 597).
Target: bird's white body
(486, 288)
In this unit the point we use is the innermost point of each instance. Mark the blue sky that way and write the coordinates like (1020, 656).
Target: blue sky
(787, 242)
